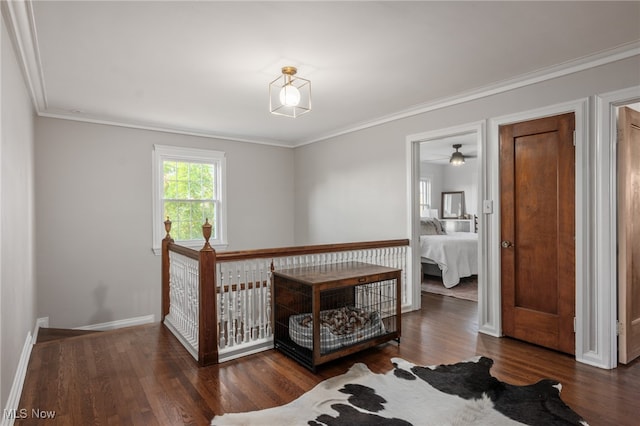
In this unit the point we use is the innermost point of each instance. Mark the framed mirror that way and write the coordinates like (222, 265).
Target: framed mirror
(452, 205)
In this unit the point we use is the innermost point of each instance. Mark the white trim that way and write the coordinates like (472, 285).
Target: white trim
(235, 352)
(166, 152)
(22, 27)
(24, 34)
(21, 372)
(185, 343)
(195, 245)
(486, 304)
(40, 323)
(156, 128)
(490, 319)
(605, 223)
(585, 316)
(112, 325)
(18, 382)
(1, 207)
(584, 284)
(602, 58)
(413, 175)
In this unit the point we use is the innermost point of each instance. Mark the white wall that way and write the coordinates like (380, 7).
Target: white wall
(354, 186)
(93, 193)
(350, 189)
(17, 263)
(463, 178)
(434, 173)
(446, 178)
(393, 137)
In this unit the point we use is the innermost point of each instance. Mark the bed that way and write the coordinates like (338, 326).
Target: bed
(451, 255)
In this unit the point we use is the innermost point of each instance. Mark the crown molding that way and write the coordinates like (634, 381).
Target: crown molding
(156, 128)
(22, 30)
(21, 26)
(570, 67)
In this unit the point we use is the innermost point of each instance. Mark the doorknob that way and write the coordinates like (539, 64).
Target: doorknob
(506, 244)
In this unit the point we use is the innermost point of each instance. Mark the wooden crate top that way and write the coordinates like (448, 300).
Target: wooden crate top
(319, 274)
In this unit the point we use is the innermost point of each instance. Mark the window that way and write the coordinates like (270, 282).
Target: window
(188, 188)
(425, 196)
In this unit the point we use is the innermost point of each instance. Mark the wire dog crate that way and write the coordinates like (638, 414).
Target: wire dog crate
(324, 312)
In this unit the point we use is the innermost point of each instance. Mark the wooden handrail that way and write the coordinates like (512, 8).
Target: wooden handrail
(207, 259)
(208, 326)
(229, 256)
(207, 312)
(185, 251)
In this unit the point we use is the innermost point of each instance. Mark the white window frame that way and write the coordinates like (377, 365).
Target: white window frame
(427, 194)
(163, 153)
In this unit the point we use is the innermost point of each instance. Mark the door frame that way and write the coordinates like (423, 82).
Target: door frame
(585, 312)
(605, 221)
(413, 221)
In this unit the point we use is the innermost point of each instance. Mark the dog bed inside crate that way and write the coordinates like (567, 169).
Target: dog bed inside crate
(338, 327)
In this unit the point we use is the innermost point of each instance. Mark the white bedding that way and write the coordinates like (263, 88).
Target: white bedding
(455, 253)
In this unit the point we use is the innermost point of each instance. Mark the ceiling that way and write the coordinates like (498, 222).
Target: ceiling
(203, 67)
(438, 151)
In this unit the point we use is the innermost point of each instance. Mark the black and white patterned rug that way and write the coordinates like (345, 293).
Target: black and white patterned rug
(455, 395)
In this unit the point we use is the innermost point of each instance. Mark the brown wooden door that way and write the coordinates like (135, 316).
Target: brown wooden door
(537, 207)
(628, 234)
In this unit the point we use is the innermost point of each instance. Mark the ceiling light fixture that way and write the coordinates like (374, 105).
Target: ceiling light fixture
(457, 159)
(289, 95)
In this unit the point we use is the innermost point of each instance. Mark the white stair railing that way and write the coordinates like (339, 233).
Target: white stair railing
(182, 318)
(239, 322)
(244, 289)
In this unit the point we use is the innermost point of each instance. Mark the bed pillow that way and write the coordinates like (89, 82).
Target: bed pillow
(439, 227)
(427, 227)
(430, 226)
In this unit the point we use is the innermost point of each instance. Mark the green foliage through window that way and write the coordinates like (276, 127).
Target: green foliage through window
(189, 198)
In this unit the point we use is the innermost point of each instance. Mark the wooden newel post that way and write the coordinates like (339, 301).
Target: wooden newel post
(166, 268)
(208, 327)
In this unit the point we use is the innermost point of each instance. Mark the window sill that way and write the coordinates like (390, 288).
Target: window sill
(193, 245)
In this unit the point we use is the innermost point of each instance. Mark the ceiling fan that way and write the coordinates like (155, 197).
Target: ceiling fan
(457, 158)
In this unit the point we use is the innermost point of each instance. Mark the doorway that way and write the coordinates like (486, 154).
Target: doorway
(473, 135)
(602, 343)
(537, 199)
(628, 233)
(588, 346)
(448, 210)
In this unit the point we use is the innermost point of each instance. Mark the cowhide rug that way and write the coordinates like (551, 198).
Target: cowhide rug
(444, 395)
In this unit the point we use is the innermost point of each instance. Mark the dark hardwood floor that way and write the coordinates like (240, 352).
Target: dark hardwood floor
(49, 334)
(142, 375)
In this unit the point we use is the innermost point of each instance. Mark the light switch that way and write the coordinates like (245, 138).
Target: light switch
(487, 206)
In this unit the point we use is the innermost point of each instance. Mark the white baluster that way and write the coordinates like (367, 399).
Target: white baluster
(254, 302)
(268, 330)
(240, 307)
(245, 313)
(183, 307)
(232, 310)
(223, 309)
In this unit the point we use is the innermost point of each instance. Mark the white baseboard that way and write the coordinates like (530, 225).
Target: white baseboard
(21, 372)
(18, 382)
(112, 325)
(40, 323)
